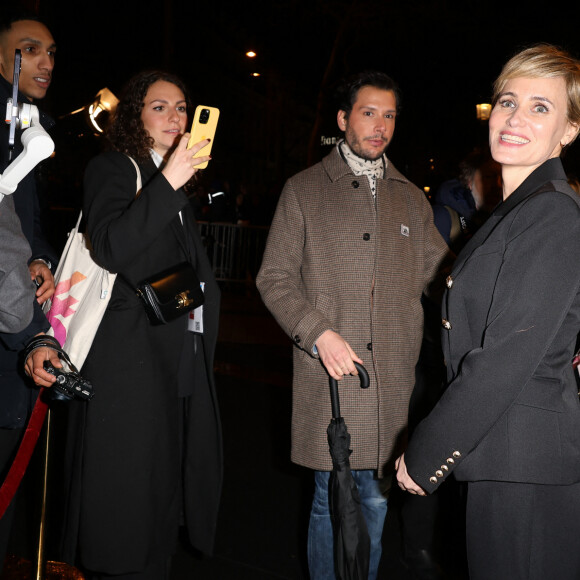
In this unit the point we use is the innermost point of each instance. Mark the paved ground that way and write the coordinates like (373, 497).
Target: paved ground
(265, 506)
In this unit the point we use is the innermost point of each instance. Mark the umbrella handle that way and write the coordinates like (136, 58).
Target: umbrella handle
(363, 375)
(364, 383)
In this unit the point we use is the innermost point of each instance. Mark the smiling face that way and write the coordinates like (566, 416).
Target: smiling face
(164, 115)
(37, 47)
(529, 125)
(371, 123)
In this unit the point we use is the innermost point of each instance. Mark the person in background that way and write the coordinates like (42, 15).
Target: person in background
(508, 422)
(145, 454)
(21, 30)
(462, 204)
(574, 183)
(28, 34)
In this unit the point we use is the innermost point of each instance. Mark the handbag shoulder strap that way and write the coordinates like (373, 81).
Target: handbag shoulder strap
(139, 183)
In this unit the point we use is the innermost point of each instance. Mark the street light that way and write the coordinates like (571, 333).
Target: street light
(104, 102)
(253, 54)
(483, 111)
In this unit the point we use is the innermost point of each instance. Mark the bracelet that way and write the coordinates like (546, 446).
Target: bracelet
(47, 262)
(44, 340)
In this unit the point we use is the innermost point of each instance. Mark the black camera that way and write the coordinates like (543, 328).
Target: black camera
(204, 116)
(69, 385)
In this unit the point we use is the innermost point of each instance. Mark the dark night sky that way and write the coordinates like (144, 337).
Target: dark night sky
(444, 54)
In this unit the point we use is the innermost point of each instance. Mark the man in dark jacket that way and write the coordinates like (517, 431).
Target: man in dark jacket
(37, 48)
(461, 205)
(16, 395)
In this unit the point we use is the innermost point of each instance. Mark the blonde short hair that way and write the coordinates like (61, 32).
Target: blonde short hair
(545, 61)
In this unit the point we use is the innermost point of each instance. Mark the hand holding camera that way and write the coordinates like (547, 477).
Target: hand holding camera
(69, 385)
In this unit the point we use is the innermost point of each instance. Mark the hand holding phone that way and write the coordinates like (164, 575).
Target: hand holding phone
(204, 126)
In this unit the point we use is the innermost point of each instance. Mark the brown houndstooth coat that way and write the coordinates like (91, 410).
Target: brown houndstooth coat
(334, 261)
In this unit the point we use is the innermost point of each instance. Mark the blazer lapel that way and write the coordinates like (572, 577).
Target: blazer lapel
(477, 240)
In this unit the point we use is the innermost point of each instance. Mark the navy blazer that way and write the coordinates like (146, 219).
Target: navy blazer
(511, 317)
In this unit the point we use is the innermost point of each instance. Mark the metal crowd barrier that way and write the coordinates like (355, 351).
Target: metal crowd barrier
(235, 251)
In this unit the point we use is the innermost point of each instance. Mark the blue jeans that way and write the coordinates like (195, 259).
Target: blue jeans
(320, 536)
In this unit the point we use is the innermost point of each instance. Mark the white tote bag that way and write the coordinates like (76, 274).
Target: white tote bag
(83, 290)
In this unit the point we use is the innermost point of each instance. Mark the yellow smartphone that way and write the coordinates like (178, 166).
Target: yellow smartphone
(203, 127)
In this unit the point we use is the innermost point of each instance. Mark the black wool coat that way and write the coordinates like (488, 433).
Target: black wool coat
(128, 461)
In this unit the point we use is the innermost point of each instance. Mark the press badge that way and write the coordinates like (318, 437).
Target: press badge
(195, 322)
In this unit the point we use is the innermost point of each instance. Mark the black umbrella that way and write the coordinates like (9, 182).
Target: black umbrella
(351, 538)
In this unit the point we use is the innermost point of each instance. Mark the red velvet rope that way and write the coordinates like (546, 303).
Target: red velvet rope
(22, 459)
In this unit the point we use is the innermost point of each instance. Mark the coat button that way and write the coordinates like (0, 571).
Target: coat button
(446, 324)
(366, 237)
(296, 339)
(433, 479)
(439, 473)
(355, 184)
(449, 281)
(370, 346)
(450, 460)
(445, 468)
(456, 454)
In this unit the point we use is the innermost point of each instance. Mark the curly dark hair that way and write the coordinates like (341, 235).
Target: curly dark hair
(125, 131)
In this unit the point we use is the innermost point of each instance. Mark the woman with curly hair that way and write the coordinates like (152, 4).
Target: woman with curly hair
(146, 452)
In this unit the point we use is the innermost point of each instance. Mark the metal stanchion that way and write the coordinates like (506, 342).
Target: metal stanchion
(40, 560)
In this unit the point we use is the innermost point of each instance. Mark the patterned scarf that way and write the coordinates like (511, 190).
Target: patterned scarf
(372, 169)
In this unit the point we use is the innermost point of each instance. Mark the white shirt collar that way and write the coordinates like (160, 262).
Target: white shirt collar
(157, 159)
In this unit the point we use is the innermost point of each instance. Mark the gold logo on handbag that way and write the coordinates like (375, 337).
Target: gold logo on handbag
(183, 300)
(171, 293)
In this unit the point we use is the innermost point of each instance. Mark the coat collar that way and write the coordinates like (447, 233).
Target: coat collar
(550, 170)
(336, 168)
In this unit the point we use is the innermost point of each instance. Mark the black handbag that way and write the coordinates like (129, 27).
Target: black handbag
(171, 293)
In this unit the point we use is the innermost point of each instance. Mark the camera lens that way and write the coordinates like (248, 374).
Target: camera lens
(204, 116)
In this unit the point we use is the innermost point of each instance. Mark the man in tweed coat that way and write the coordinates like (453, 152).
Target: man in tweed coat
(351, 249)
